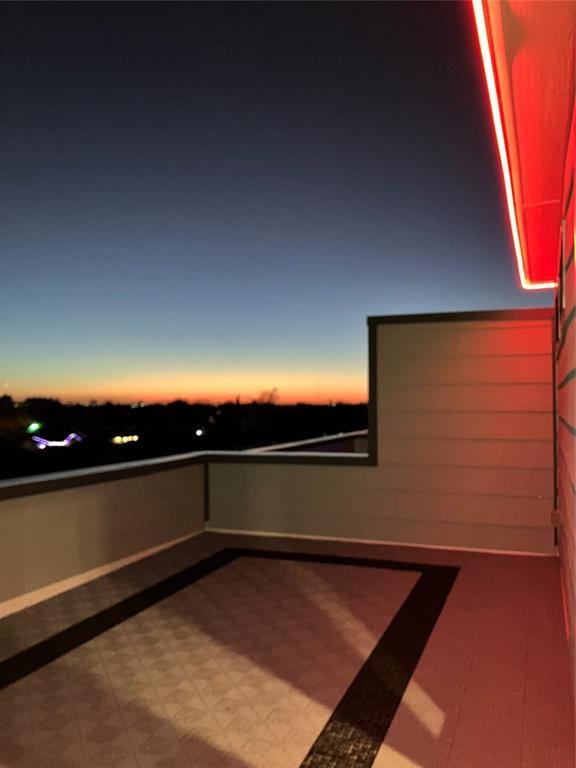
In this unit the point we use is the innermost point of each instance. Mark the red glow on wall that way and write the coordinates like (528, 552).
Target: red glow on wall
(526, 49)
(565, 611)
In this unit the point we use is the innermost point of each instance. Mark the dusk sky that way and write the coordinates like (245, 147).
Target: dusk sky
(206, 200)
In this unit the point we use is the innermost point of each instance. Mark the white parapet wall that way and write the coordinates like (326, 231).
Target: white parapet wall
(59, 535)
(356, 503)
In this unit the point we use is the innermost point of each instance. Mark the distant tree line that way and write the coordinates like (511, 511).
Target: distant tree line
(162, 429)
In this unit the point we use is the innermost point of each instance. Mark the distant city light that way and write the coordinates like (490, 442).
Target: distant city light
(199, 432)
(42, 443)
(34, 426)
(123, 439)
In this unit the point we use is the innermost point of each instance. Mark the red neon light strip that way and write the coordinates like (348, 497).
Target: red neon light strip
(482, 30)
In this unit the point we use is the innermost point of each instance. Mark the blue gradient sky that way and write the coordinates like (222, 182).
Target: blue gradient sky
(207, 200)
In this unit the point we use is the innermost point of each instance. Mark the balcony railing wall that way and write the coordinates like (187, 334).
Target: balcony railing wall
(94, 521)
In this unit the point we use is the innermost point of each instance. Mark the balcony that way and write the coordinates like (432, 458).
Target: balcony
(398, 608)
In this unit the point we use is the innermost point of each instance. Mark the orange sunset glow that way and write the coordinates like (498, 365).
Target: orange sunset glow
(286, 388)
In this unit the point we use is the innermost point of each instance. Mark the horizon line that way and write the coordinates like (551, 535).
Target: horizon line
(94, 402)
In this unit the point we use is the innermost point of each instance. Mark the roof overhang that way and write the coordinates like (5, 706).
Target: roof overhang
(528, 49)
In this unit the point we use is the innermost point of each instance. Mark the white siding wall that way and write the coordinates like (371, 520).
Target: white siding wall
(49, 537)
(465, 419)
(464, 449)
(566, 406)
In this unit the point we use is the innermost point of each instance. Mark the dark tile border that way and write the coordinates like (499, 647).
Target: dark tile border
(356, 729)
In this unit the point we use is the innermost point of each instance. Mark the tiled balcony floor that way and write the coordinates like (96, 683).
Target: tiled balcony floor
(244, 667)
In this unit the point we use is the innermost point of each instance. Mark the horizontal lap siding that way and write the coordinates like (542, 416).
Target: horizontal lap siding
(565, 361)
(566, 419)
(456, 452)
(566, 444)
(490, 369)
(465, 421)
(358, 502)
(483, 338)
(471, 397)
(469, 426)
(438, 478)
